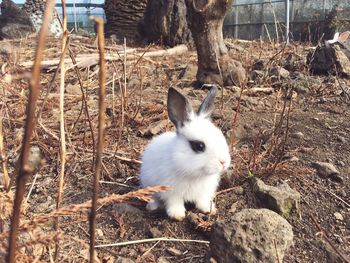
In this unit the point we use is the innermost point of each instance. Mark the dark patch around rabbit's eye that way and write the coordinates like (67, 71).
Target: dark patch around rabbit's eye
(197, 146)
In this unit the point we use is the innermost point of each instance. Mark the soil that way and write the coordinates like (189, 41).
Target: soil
(314, 127)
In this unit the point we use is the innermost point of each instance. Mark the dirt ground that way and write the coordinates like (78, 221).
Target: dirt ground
(316, 121)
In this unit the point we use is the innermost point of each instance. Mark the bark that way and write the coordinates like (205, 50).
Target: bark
(123, 18)
(35, 9)
(165, 22)
(206, 18)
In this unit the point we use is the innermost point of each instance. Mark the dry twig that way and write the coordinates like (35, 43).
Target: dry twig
(100, 142)
(6, 177)
(152, 240)
(24, 169)
(63, 153)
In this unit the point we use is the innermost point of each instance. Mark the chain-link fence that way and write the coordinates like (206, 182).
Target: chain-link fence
(78, 14)
(309, 19)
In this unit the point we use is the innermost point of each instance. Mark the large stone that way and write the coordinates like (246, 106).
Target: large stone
(14, 22)
(6, 49)
(257, 76)
(279, 72)
(259, 64)
(281, 199)
(326, 58)
(252, 235)
(15, 30)
(327, 171)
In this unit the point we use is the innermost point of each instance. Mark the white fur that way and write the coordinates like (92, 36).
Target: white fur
(169, 160)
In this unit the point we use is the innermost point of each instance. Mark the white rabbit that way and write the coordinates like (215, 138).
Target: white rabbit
(189, 161)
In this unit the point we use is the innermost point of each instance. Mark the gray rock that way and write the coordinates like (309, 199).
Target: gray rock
(297, 135)
(240, 132)
(343, 193)
(328, 57)
(281, 199)
(302, 84)
(293, 159)
(239, 190)
(327, 170)
(338, 216)
(14, 22)
(133, 81)
(252, 235)
(343, 59)
(15, 30)
(259, 64)
(155, 232)
(251, 101)
(35, 159)
(341, 139)
(5, 48)
(174, 252)
(129, 212)
(73, 89)
(99, 232)
(279, 72)
(257, 76)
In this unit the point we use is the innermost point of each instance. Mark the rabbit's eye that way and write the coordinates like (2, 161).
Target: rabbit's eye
(197, 146)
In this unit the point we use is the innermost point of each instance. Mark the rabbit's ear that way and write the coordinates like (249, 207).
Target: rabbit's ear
(207, 105)
(179, 108)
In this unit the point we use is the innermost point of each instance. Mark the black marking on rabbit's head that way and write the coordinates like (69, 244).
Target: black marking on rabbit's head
(197, 146)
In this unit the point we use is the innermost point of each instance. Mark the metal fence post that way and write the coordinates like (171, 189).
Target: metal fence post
(236, 22)
(287, 21)
(75, 17)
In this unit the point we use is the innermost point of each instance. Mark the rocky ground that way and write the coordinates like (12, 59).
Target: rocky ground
(290, 131)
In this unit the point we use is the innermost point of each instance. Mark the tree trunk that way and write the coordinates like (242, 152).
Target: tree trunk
(206, 18)
(35, 9)
(123, 18)
(165, 22)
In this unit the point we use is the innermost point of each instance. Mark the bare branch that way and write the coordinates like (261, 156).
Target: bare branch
(100, 141)
(23, 170)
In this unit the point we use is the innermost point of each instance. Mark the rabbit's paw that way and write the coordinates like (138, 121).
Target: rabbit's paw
(177, 212)
(206, 207)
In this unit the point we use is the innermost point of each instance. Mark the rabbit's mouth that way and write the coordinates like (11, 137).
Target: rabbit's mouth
(208, 171)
